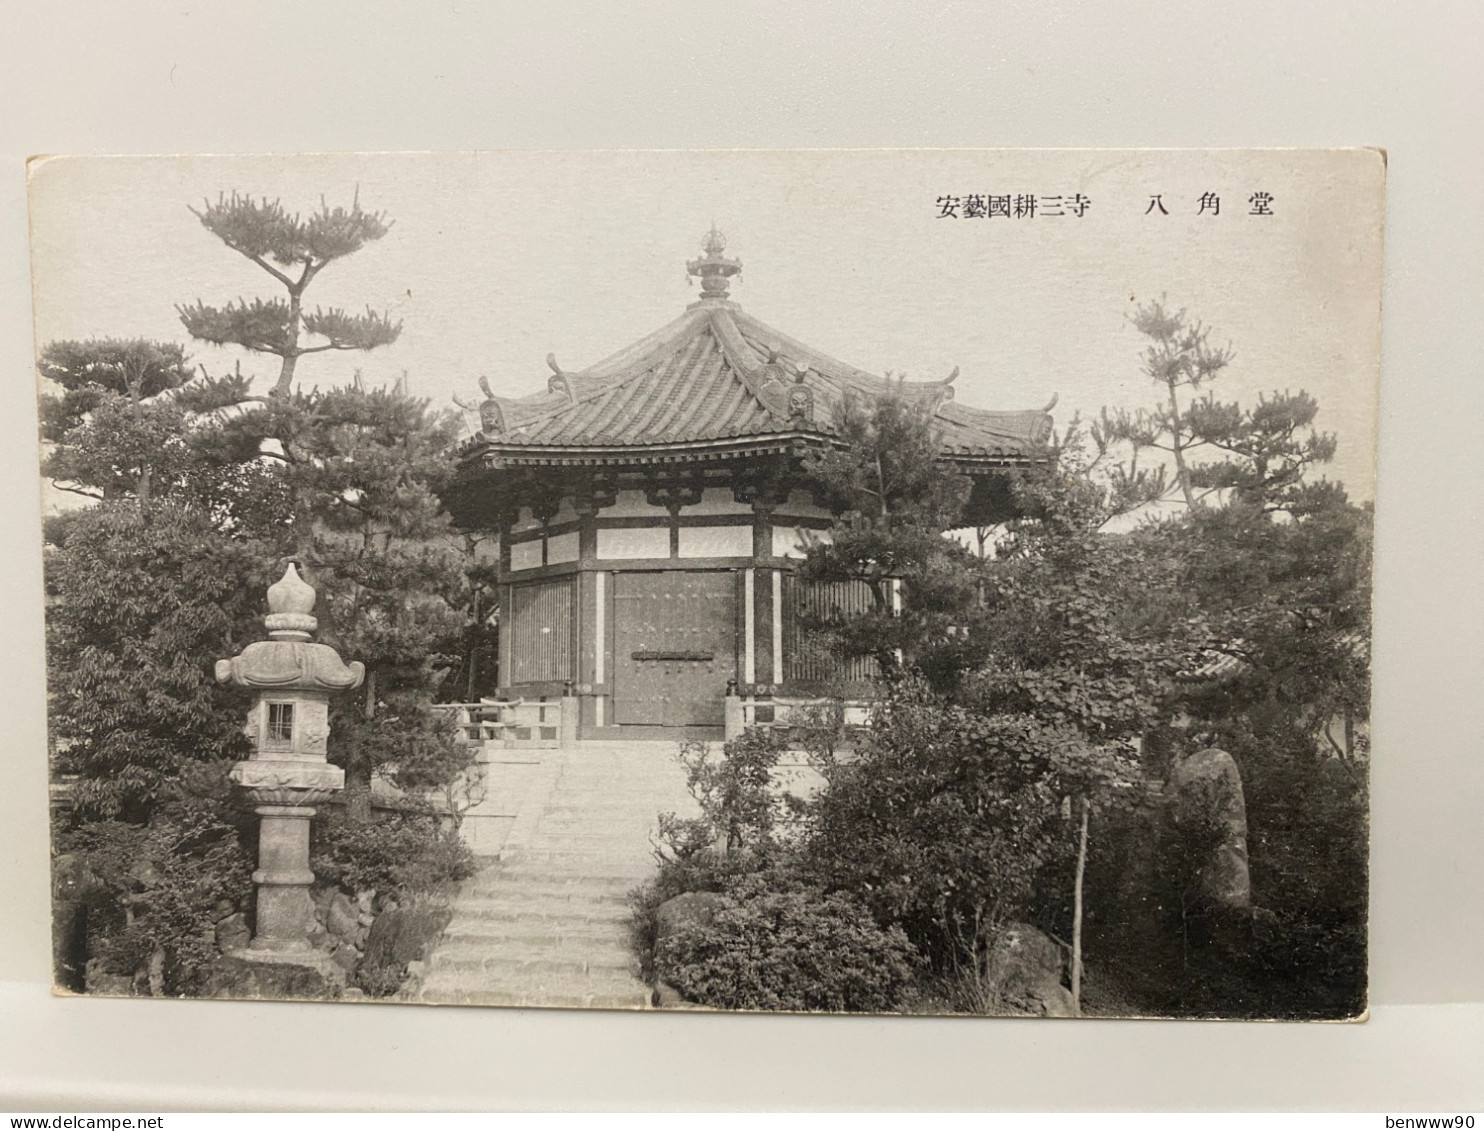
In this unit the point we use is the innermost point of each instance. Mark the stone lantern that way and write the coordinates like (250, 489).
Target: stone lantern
(287, 774)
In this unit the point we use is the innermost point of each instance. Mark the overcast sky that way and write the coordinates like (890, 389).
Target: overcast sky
(497, 259)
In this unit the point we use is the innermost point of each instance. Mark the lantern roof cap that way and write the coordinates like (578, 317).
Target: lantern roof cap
(289, 660)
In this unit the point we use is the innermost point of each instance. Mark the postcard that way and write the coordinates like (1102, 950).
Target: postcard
(892, 582)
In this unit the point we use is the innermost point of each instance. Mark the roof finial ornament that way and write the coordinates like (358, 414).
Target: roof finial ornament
(714, 268)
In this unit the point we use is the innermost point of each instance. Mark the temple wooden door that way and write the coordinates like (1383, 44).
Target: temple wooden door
(674, 647)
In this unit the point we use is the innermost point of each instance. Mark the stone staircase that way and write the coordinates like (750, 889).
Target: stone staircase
(547, 924)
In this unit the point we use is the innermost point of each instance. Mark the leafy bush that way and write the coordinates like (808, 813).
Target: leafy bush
(380, 980)
(947, 820)
(160, 889)
(795, 949)
(738, 808)
(705, 870)
(400, 852)
(137, 614)
(733, 838)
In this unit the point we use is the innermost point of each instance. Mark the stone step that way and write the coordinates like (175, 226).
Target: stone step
(556, 850)
(538, 993)
(586, 835)
(501, 938)
(530, 859)
(520, 999)
(589, 874)
(555, 964)
(541, 911)
(619, 821)
(595, 836)
(540, 877)
(560, 864)
(629, 814)
(532, 987)
(604, 943)
(568, 902)
(560, 806)
(519, 896)
(568, 864)
(540, 929)
(608, 794)
(545, 884)
(607, 949)
(547, 925)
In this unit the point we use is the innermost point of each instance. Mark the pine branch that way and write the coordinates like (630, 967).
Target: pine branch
(350, 331)
(262, 325)
(77, 490)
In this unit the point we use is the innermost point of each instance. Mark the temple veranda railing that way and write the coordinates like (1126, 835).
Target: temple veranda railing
(515, 723)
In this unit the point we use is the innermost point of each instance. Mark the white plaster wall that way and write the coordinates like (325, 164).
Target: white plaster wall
(638, 542)
(525, 555)
(562, 548)
(716, 541)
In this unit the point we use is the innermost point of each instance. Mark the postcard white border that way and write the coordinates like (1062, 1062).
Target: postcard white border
(214, 76)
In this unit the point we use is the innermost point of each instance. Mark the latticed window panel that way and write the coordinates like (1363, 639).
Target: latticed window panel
(541, 631)
(806, 656)
(280, 722)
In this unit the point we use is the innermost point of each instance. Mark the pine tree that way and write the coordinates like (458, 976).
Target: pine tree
(293, 250)
(147, 586)
(112, 430)
(199, 491)
(343, 481)
(359, 471)
(894, 499)
(1262, 452)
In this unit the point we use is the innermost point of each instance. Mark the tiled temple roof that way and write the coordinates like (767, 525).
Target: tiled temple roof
(717, 376)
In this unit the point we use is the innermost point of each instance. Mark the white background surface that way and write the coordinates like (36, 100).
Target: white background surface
(217, 77)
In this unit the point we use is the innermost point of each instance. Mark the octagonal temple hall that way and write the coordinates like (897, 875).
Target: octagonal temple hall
(651, 508)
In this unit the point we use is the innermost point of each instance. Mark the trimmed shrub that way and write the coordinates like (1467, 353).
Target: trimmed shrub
(399, 853)
(796, 949)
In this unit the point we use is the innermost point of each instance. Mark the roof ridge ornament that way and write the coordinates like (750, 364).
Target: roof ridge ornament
(714, 269)
(559, 381)
(491, 417)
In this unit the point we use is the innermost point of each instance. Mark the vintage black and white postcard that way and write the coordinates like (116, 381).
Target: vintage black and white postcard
(852, 581)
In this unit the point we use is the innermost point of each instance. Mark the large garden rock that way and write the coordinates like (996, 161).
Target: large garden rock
(341, 916)
(100, 981)
(1024, 966)
(693, 909)
(232, 933)
(1207, 799)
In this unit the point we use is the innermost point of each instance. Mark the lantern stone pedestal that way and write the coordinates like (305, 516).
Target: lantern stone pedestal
(288, 774)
